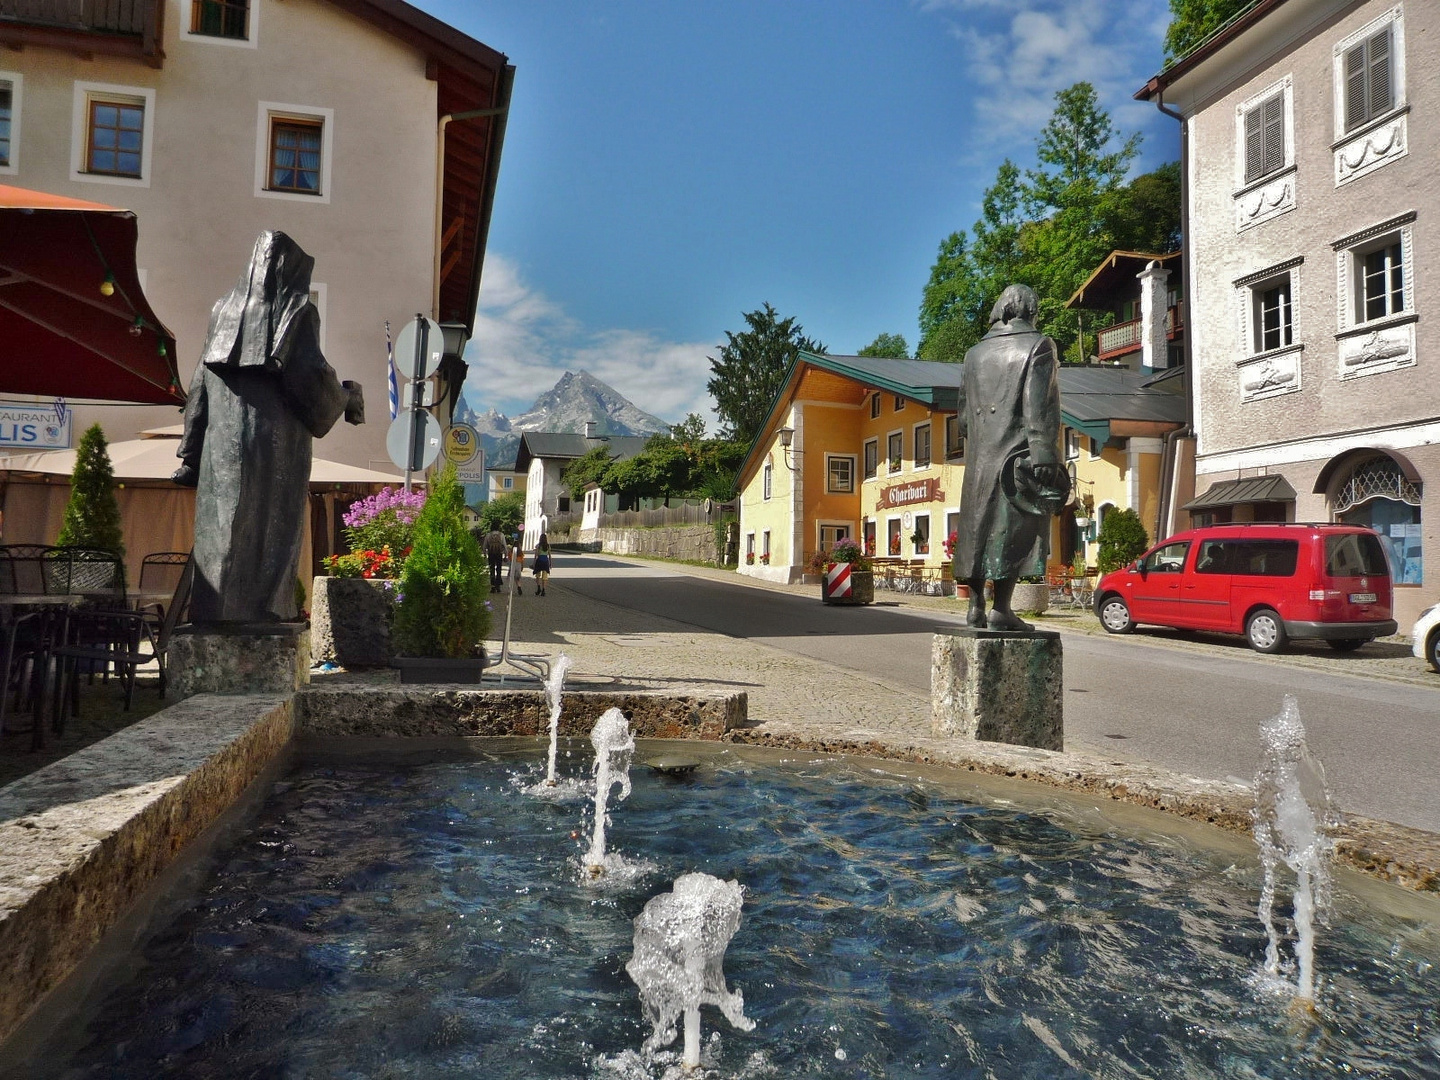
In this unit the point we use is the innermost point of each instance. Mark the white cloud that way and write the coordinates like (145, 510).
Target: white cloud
(524, 342)
(1019, 53)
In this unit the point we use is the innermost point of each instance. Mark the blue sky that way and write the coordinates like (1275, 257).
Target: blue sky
(670, 164)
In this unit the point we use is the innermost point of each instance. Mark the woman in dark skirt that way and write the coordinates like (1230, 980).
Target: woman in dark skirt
(542, 564)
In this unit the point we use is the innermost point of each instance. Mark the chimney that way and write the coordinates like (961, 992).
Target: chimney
(590, 429)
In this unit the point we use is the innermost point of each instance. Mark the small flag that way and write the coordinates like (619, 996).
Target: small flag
(390, 373)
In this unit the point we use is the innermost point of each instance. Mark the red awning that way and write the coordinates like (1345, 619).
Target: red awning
(60, 335)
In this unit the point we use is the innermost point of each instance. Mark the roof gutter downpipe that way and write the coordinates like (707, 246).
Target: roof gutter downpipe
(1169, 464)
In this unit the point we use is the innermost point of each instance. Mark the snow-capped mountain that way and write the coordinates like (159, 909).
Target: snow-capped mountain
(577, 398)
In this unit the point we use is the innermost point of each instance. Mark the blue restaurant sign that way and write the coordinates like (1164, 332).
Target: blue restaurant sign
(34, 427)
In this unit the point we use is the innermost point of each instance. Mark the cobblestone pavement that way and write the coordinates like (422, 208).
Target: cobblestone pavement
(786, 693)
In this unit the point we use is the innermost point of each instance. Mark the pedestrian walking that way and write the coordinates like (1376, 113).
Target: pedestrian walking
(542, 564)
(495, 552)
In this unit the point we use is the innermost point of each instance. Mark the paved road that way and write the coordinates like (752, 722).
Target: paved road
(1127, 698)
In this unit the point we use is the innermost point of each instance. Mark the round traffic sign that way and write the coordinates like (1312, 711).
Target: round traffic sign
(405, 344)
(462, 443)
(401, 441)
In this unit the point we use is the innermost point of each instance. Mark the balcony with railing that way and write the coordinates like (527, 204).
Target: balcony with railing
(1115, 341)
(85, 27)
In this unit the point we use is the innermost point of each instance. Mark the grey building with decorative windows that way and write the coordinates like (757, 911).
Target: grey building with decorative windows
(1310, 217)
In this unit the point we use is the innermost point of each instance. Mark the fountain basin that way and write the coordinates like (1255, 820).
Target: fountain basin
(421, 917)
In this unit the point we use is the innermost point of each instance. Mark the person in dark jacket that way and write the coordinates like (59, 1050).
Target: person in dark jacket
(495, 553)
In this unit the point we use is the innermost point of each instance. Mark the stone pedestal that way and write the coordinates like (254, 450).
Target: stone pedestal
(240, 658)
(350, 621)
(999, 686)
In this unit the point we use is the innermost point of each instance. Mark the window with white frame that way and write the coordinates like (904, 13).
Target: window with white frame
(839, 473)
(952, 529)
(954, 441)
(221, 22)
(750, 547)
(113, 129)
(10, 84)
(1368, 71)
(293, 152)
(872, 458)
(899, 403)
(765, 546)
(922, 445)
(1096, 448)
(1269, 342)
(1273, 318)
(892, 536)
(767, 475)
(830, 535)
(1265, 137)
(1376, 271)
(1072, 444)
(894, 450)
(920, 538)
(508, 483)
(875, 406)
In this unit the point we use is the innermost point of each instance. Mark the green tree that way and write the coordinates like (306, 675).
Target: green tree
(92, 514)
(587, 469)
(504, 512)
(442, 610)
(1192, 21)
(1122, 540)
(887, 346)
(750, 369)
(1146, 214)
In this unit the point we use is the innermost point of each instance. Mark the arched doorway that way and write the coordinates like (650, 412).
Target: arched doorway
(1377, 491)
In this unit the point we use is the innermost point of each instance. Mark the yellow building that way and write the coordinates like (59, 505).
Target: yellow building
(869, 448)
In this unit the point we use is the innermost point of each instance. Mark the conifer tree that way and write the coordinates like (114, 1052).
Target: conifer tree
(750, 369)
(92, 515)
(442, 609)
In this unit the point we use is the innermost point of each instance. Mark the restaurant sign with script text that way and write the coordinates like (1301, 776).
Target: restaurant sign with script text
(916, 491)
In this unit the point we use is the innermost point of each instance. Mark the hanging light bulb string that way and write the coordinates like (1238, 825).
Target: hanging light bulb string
(110, 285)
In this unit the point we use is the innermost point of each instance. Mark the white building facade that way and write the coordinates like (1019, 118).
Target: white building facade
(214, 121)
(1311, 196)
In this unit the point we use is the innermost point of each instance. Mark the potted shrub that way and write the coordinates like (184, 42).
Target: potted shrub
(847, 554)
(91, 521)
(1085, 510)
(1031, 594)
(442, 614)
(351, 605)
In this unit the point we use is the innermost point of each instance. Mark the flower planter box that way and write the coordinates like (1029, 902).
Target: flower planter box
(440, 669)
(1029, 596)
(862, 587)
(350, 621)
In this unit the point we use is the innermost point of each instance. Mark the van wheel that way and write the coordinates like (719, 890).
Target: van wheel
(1432, 649)
(1266, 632)
(1348, 644)
(1115, 616)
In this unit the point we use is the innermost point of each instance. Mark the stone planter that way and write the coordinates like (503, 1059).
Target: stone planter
(1034, 597)
(440, 669)
(862, 588)
(350, 621)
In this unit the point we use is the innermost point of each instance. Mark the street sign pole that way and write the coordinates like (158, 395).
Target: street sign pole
(417, 437)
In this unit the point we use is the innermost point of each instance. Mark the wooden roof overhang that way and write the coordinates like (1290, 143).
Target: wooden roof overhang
(470, 77)
(135, 29)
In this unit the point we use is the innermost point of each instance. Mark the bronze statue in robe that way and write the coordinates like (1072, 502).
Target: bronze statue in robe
(261, 392)
(1015, 479)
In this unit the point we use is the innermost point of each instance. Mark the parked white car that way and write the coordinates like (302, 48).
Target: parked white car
(1426, 636)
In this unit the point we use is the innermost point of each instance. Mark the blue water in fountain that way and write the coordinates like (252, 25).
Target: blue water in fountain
(432, 921)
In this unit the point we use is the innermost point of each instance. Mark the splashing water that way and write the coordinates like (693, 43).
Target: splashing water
(613, 747)
(553, 688)
(1293, 819)
(678, 963)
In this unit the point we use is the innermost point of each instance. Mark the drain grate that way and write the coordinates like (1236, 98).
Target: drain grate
(1109, 736)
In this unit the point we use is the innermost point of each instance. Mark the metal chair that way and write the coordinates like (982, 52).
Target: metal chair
(161, 571)
(84, 570)
(27, 562)
(29, 636)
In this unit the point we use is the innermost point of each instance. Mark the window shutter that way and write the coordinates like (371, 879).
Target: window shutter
(1355, 87)
(1254, 144)
(1275, 133)
(1379, 48)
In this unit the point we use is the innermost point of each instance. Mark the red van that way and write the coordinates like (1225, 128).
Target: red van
(1271, 582)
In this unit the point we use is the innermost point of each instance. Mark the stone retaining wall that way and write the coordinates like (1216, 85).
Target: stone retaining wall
(411, 711)
(689, 543)
(82, 838)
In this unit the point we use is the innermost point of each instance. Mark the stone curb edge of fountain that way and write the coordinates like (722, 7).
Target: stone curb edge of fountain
(1394, 853)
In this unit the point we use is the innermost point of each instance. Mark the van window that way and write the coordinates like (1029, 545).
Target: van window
(1355, 555)
(1214, 557)
(1169, 559)
(1263, 558)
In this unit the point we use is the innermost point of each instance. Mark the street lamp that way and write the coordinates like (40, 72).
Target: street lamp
(787, 437)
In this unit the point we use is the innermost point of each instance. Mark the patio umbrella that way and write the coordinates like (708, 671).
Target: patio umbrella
(74, 322)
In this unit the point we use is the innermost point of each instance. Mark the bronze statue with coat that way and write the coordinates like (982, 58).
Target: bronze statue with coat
(261, 392)
(1014, 478)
